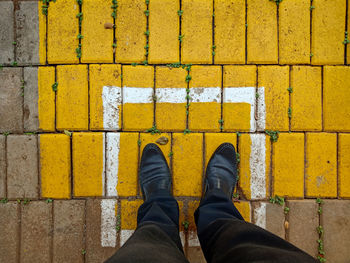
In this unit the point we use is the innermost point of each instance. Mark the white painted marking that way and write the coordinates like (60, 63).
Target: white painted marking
(193, 239)
(108, 223)
(257, 166)
(103, 163)
(205, 94)
(125, 235)
(171, 95)
(182, 237)
(242, 95)
(111, 99)
(260, 215)
(261, 122)
(113, 147)
(137, 95)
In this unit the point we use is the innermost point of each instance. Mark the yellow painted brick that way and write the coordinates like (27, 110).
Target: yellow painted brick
(239, 76)
(62, 32)
(254, 166)
(88, 163)
(244, 208)
(42, 34)
(164, 30)
(192, 239)
(72, 98)
(131, 25)
(100, 76)
(344, 165)
(196, 28)
(128, 163)
(262, 32)
(236, 116)
(187, 164)
(328, 26)
(288, 165)
(55, 167)
(46, 98)
(229, 31)
(306, 99)
(182, 216)
(336, 98)
(213, 140)
(147, 138)
(294, 38)
(205, 98)
(170, 115)
(321, 165)
(275, 80)
(128, 216)
(138, 105)
(97, 42)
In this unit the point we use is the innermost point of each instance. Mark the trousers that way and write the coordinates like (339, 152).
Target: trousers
(223, 234)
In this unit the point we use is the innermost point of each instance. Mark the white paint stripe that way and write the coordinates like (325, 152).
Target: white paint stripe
(104, 163)
(125, 235)
(193, 239)
(261, 122)
(137, 95)
(111, 99)
(260, 215)
(257, 164)
(108, 223)
(242, 95)
(113, 147)
(206, 94)
(171, 95)
(182, 237)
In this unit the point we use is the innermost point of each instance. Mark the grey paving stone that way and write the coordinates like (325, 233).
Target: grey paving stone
(27, 31)
(36, 232)
(195, 255)
(6, 33)
(68, 231)
(11, 110)
(336, 224)
(303, 221)
(30, 107)
(22, 166)
(9, 229)
(2, 167)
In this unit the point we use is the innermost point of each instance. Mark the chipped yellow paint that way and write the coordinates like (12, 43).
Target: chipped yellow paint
(244, 208)
(205, 116)
(55, 166)
(294, 38)
(213, 140)
(191, 208)
(306, 98)
(42, 34)
(88, 163)
(63, 29)
(344, 165)
(328, 27)
(262, 32)
(127, 166)
(46, 98)
(164, 30)
(182, 217)
(239, 76)
(275, 80)
(72, 98)
(196, 28)
(187, 164)
(128, 218)
(245, 151)
(229, 31)
(99, 76)
(336, 98)
(137, 116)
(97, 42)
(321, 165)
(130, 27)
(147, 138)
(171, 116)
(287, 168)
(236, 116)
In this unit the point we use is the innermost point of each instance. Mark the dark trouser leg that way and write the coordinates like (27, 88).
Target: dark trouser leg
(156, 238)
(226, 237)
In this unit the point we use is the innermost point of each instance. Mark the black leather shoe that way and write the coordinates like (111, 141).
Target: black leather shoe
(221, 171)
(154, 175)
